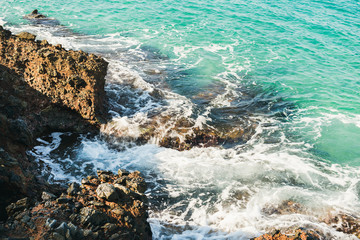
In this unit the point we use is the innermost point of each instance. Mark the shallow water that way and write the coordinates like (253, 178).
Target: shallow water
(290, 67)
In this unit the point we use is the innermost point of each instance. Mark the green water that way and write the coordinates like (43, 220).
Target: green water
(307, 53)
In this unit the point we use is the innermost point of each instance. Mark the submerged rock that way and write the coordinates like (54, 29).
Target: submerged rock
(345, 223)
(180, 134)
(298, 234)
(35, 15)
(340, 221)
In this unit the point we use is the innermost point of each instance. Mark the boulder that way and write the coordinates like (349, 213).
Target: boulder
(94, 217)
(47, 196)
(26, 36)
(107, 191)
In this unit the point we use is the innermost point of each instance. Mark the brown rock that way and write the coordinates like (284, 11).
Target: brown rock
(43, 88)
(73, 79)
(298, 234)
(26, 36)
(345, 223)
(80, 217)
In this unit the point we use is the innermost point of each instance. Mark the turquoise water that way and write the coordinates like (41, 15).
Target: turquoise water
(294, 66)
(307, 52)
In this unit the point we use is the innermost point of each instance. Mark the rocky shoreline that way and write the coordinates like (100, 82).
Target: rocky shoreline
(106, 206)
(45, 88)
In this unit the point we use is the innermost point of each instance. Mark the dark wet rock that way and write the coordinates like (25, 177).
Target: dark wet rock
(35, 15)
(345, 223)
(58, 236)
(62, 200)
(18, 206)
(4, 33)
(342, 222)
(183, 133)
(47, 196)
(51, 223)
(122, 189)
(135, 182)
(62, 229)
(73, 188)
(84, 214)
(90, 216)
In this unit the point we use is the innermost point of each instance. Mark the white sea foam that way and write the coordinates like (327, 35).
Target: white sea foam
(2, 21)
(224, 193)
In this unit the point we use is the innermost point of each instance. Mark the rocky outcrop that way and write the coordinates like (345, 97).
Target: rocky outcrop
(345, 223)
(43, 88)
(106, 206)
(73, 79)
(180, 134)
(340, 221)
(34, 15)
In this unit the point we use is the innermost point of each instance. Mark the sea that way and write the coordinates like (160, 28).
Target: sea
(289, 68)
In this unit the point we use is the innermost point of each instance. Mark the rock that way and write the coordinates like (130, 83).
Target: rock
(51, 223)
(18, 206)
(87, 233)
(122, 188)
(21, 131)
(35, 15)
(115, 236)
(136, 182)
(62, 229)
(85, 182)
(183, 134)
(97, 204)
(298, 234)
(93, 217)
(47, 196)
(43, 88)
(57, 236)
(4, 33)
(110, 227)
(62, 200)
(123, 172)
(345, 223)
(121, 180)
(118, 211)
(73, 188)
(107, 191)
(73, 229)
(58, 73)
(84, 215)
(26, 36)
